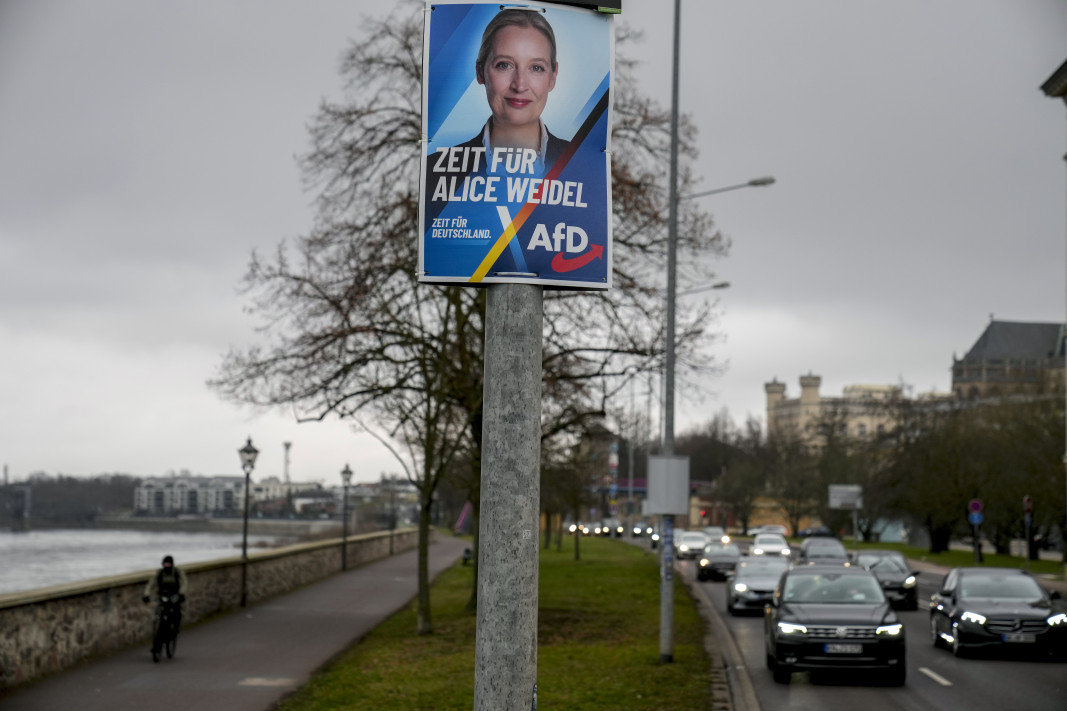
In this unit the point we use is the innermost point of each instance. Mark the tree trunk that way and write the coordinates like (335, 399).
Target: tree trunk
(472, 601)
(425, 625)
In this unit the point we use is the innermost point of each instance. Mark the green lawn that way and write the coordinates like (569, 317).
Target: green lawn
(598, 644)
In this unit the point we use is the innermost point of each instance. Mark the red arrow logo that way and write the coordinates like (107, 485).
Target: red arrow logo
(560, 263)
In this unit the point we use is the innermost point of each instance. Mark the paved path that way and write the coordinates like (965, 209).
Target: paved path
(248, 660)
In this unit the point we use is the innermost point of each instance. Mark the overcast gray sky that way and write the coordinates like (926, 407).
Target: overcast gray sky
(147, 148)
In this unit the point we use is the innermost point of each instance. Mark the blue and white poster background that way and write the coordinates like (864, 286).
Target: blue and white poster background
(465, 240)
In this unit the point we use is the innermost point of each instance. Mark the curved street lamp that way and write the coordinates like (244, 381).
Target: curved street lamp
(346, 479)
(248, 455)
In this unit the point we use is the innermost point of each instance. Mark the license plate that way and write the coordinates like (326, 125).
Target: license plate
(842, 648)
(1018, 637)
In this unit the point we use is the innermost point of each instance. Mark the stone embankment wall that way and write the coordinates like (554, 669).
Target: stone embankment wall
(49, 629)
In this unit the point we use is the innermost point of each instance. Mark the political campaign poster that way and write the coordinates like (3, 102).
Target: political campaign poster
(516, 182)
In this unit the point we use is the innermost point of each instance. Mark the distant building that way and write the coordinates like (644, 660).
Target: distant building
(860, 412)
(1010, 357)
(209, 495)
(189, 494)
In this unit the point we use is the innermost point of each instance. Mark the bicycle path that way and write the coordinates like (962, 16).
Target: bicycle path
(247, 660)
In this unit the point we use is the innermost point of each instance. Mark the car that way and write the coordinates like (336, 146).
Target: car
(752, 583)
(822, 550)
(824, 617)
(813, 531)
(689, 544)
(718, 560)
(899, 581)
(983, 608)
(770, 544)
(769, 528)
(641, 529)
(716, 533)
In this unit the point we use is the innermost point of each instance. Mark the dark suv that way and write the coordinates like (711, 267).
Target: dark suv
(832, 617)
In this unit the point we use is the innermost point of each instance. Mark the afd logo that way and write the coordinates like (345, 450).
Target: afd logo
(565, 240)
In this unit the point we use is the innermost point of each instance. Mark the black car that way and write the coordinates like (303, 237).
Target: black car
(753, 582)
(822, 550)
(996, 607)
(815, 531)
(899, 581)
(832, 617)
(718, 560)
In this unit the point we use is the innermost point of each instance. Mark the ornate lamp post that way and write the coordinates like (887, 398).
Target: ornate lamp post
(346, 479)
(248, 455)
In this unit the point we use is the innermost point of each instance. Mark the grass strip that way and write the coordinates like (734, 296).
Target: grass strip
(598, 644)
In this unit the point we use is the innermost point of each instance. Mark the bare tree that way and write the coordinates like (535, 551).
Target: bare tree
(348, 332)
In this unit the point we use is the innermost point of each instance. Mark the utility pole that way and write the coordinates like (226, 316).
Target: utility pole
(506, 639)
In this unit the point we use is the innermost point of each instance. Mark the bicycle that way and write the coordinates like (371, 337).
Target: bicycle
(168, 621)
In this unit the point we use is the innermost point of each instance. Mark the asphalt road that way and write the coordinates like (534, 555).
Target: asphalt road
(936, 680)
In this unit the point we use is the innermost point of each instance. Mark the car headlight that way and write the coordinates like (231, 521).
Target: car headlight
(637, 530)
(573, 528)
(725, 539)
(704, 562)
(619, 529)
(655, 536)
(740, 587)
(909, 582)
(890, 630)
(683, 548)
(648, 530)
(790, 628)
(974, 617)
(785, 551)
(757, 551)
(1060, 619)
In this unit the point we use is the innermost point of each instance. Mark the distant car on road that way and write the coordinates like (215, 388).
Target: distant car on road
(716, 533)
(770, 544)
(753, 582)
(823, 550)
(899, 581)
(689, 544)
(718, 560)
(769, 528)
(996, 607)
(831, 617)
(813, 531)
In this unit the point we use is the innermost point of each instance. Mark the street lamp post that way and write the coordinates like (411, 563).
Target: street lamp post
(248, 462)
(346, 479)
(1055, 87)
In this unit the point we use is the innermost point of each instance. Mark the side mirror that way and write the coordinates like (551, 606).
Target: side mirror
(1054, 595)
(916, 573)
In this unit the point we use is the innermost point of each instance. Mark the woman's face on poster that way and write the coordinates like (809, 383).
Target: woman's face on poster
(518, 76)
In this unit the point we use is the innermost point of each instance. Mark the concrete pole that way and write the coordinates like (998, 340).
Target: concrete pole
(505, 675)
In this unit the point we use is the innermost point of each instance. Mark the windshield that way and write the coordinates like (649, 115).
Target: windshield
(883, 563)
(827, 551)
(762, 566)
(693, 539)
(722, 549)
(1015, 587)
(769, 539)
(832, 589)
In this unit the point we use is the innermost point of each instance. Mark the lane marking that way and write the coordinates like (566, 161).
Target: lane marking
(935, 676)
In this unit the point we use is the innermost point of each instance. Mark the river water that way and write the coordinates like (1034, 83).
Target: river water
(37, 559)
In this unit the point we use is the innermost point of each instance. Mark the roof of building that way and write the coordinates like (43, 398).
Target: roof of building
(1018, 340)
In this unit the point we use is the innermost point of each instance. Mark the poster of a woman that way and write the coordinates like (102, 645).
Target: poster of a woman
(516, 168)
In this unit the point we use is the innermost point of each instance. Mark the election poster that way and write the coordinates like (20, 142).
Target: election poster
(516, 182)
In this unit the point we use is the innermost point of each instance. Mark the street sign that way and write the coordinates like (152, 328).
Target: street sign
(975, 518)
(848, 497)
(975, 506)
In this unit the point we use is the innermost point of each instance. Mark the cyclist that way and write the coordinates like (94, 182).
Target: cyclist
(168, 586)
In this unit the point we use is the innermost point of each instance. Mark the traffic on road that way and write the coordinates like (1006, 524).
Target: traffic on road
(878, 634)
